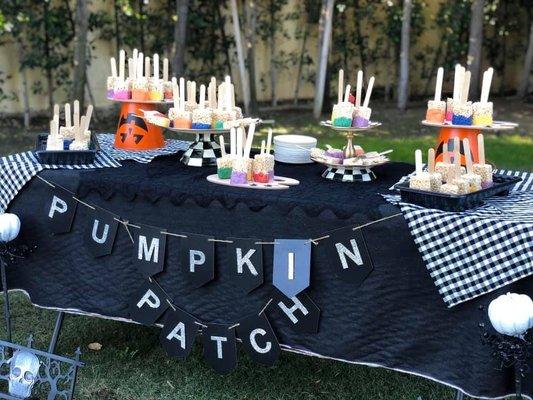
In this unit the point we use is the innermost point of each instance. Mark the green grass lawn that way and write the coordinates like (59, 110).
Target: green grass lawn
(132, 366)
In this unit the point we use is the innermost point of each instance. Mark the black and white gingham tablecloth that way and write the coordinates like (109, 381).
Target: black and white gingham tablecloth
(18, 169)
(171, 146)
(473, 252)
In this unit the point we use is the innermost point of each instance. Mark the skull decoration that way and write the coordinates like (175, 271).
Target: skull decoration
(23, 373)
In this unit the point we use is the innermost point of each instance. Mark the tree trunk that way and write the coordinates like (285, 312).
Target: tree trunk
(25, 92)
(273, 67)
(117, 26)
(475, 42)
(47, 67)
(80, 53)
(301, 63)
(403, 83)
(326, 18)
(251, 22)
(245, 87)
(528, 63)
(180, 38)
(225, 42)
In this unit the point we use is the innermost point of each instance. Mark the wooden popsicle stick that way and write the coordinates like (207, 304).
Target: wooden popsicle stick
(68, 116)
(182, 94)
(156, 66)
(135, 54)
(165, 69)
(431, 160)
(130, 68)
(269, 140)
(193, 92)
(369, 92)
(202, 96)
(347, 93)
(438, 84)
(76, 113)
(140, 65)
(445, 154)
(341, 85)
(468, 157)
(233, 142)
(83, 127)
(222, 146)
(113, 67)
(456, 151)
(122, 64)
(147, 67)
(418, 161)
(175, 94)
(227, 90)
(262, 146)
(89, 114)
(52, 127)
(232, 91)
(485, 89)
(359, 88)
(481, 149)
(239, 142)
(249, 140)
(457, 82)
(56, 110)
(466, 87)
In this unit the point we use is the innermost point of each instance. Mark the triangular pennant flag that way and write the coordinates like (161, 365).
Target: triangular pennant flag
(148, 304)
(300, 312)
(259, 339)
(178, 333)
(245, 260)
(60, 210)
(149, 249)
(100, 232)
(198, 259)
(292, 265)
(220, 350)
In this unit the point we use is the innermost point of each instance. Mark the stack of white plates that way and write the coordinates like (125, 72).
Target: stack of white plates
(293, 149)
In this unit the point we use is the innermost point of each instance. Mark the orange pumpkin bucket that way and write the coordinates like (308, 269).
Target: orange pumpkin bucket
(447, 135)
(133, 132)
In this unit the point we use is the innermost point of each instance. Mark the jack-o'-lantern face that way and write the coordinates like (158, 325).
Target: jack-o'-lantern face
(134, 133)
(447, 136)
(132, 128)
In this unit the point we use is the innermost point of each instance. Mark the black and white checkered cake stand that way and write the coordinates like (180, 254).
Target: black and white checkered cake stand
(205, 150)
(349, 174)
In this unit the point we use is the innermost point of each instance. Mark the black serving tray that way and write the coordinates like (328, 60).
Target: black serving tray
(66, 157)
(453, 202)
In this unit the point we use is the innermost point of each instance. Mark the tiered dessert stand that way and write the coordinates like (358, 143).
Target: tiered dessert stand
(447, 132)
(349, 173)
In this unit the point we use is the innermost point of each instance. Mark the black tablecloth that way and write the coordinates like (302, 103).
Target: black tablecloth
(395, 319)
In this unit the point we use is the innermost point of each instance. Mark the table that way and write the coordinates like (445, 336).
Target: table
(395, 319)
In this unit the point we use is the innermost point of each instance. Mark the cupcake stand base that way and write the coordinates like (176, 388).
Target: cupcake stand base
(133, 132)
(203, 152)
(279, 183)
(349, 174)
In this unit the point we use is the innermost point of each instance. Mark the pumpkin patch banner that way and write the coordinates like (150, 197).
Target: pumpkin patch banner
(150, 304)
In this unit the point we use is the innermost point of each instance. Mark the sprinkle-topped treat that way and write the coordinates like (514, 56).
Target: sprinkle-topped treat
(436, 111)
(483, 108)
(445, 168)
(343, 111)
(421, 180)
(462, 108)
(435, 178)
(225, 163)
(242, 164)
(363, 112)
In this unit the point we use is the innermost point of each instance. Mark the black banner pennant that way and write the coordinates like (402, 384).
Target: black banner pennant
(220, 349)
(259, 339)
(348, 252)
(149, 249)
(60, 210)
(292, 265)
(148, 304)
(100, 232)
(178, 333)
(198, 259)
(300, 312)
(245, 259)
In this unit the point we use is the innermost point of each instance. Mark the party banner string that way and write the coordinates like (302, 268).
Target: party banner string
(127, 224)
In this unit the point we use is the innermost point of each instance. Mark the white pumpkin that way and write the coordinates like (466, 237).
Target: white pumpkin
(511, 314)
(9, 227)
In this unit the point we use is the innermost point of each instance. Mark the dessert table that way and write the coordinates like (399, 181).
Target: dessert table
(395, 319)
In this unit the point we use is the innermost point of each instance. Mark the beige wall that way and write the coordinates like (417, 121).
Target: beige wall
(99, 68)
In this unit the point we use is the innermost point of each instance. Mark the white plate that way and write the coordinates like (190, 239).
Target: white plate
(279, 183)
(371, 125)
(496, 126)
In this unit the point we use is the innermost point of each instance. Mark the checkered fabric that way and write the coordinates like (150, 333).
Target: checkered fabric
(203, 152)
(474, 252)
(348, 175)
(171, 146)
(18, 169)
